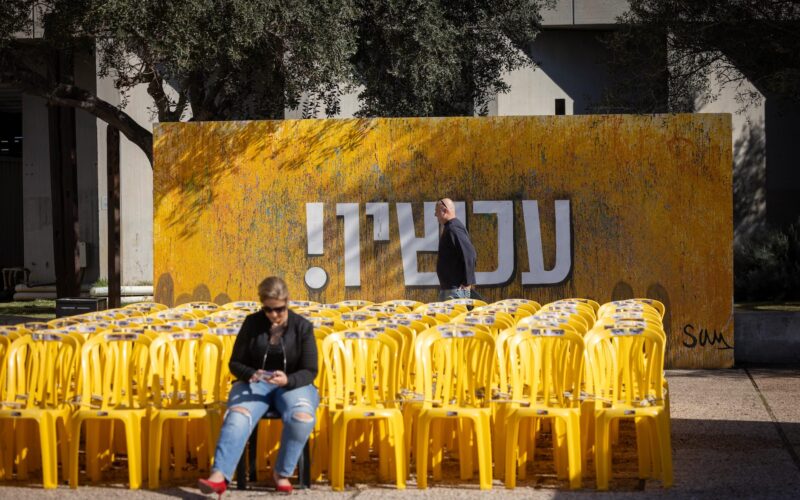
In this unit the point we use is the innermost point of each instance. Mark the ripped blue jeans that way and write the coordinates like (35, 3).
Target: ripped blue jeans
(254, 400)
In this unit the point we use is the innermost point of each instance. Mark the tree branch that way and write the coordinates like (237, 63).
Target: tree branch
(33, 83)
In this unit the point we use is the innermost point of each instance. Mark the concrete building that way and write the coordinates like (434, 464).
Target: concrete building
(571, 72)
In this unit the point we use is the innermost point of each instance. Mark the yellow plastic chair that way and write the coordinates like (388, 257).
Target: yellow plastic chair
(546, 365)
(13, 331)
(574, 320)
(244, 305)
(352, 304)
(362, 385)
(35, 326)
(460, 360)
(466, 302)
(354, 319)
(410, 304)
(146, 307)
(113, 387)
(334, 324)
(633, 305)
(185, 370)
(577, 309)
(626, 367)
(37, 376)
(293, 304)
(494, 321)
(57, 323)
(527, 304)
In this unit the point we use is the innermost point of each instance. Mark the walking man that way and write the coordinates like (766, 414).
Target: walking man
(455, 265)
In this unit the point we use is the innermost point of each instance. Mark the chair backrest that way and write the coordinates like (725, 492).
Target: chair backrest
(493, 320)
(39, 370)
(361, 368)
(469, 302)
(353, 319)
(527, 304)
(185, 369)
(575, 321)
(114, 371)
(634, 304)
(546, 365)
(455, 363)
(625, 364)
(146, 307)
(410, 304)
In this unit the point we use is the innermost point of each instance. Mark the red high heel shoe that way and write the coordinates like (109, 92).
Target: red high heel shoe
(218, 487)
(282, 488)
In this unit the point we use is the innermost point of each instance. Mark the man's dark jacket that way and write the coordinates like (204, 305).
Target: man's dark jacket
(456, 263)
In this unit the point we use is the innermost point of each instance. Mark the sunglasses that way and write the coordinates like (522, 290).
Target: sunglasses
(277, 310)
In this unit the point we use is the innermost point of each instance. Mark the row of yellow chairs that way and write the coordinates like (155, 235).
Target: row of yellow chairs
(379, 363)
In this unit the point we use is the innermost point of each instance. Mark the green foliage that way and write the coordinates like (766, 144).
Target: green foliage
(436, 57)
(14, 18)
(101, 282)
(226, 59)
(767, 265)
(252, 59)
(730, 41)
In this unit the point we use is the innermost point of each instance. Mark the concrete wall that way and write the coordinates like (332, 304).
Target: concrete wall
(86, 144)
(570, 66)
(136, 189)
(36, 206)
(749, 156)
(584, 12)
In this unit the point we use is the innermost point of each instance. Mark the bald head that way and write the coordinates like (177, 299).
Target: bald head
(445, 210)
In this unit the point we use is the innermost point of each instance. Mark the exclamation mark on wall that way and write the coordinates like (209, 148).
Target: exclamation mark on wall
(316, 277)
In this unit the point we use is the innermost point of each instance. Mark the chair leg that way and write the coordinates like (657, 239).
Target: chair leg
(395, 425)
(338, 455)
(133, 427)
(304, 468)
(241, 471)
(512, 436)
(465, 445)
(574, 451)
(74, 443)
(47, 439)
(154, 449)
(484, 442)
(423, 430)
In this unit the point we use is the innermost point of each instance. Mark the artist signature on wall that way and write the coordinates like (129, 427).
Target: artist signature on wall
(694, 338)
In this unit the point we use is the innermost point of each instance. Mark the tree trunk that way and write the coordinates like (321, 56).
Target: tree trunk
(114, 260)
(64, 186)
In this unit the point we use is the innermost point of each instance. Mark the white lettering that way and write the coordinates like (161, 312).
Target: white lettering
(505, 241)
(352, 243)
(537, 275)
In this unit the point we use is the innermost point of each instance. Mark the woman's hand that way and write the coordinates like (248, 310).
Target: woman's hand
(278, 378)
(258, 375)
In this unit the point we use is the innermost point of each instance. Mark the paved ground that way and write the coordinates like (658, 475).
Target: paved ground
(736, 434)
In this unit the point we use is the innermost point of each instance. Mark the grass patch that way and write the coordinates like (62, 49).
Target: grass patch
(770, 306)
(45, 309)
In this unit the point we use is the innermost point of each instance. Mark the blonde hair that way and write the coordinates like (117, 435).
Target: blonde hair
(273, 288)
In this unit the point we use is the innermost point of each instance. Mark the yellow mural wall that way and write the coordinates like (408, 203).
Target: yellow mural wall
(649, 198)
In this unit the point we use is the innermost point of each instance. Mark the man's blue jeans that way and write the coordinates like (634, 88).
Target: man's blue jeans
(453, 293)
(257, 398)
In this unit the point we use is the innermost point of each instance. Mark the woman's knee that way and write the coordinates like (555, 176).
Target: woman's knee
(302, 413)
(239, 416)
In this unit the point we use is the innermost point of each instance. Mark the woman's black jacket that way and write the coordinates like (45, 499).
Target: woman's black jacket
(299, 347)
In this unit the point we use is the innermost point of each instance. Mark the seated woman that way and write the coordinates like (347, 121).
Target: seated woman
(274, 360)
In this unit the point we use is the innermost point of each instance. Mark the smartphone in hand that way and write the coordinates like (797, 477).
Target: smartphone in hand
(266, 376)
